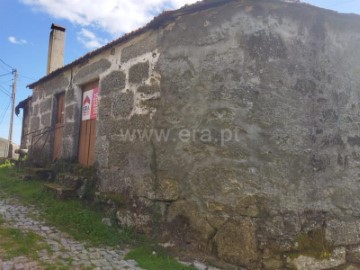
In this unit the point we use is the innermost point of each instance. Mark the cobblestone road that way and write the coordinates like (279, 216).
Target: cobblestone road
(64, 250)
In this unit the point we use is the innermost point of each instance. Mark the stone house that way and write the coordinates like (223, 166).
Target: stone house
(234, 121)
(3, 148)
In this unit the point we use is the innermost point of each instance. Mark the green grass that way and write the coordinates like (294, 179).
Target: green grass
(71, 216)
(14, 243)
(83, 222)
(155, 258)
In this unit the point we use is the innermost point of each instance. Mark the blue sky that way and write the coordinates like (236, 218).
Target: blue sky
(25, 28)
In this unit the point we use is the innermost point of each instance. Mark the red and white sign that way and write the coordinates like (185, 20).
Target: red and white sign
(90, 104)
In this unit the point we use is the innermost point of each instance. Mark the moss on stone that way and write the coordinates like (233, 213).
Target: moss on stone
(72, 167)
(312, 244)
(115, 198)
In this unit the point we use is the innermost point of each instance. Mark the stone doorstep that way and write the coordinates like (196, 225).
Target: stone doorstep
(42, 173)
(69, 180)
(61, 192)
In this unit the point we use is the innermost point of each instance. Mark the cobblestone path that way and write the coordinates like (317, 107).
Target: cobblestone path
(65, 252)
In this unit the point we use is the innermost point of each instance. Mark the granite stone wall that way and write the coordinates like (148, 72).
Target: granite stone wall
(237, 126)
(41, 118)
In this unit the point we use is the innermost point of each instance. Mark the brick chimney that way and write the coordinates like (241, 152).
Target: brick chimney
(56, 48)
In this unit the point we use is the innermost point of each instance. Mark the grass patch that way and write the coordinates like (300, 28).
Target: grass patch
(71, 216)
(155, 259)
(14, 243)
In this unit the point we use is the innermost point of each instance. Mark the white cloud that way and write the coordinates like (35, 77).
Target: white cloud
(89, 39)
(113, 16)
(14, 40)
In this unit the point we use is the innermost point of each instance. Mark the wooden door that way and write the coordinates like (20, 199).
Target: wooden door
(59, 126)
(88, 127)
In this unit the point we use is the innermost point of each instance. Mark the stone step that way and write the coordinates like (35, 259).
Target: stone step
(42, 174)
(61, 192)
(24, 176)
(69, 180)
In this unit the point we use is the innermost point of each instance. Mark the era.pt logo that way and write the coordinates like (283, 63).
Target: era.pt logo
(86, 101)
